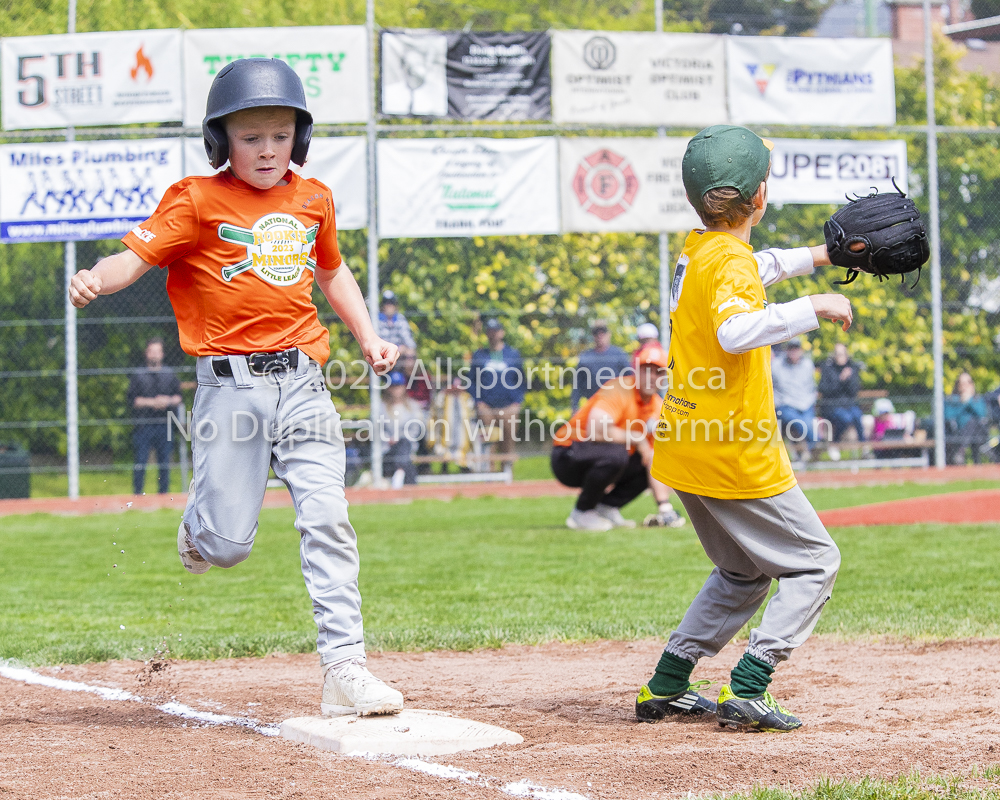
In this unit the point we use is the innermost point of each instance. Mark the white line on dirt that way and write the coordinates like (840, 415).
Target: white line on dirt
(520, 789)
(172, 708)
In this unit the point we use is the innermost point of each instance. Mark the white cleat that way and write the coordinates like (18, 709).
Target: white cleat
(190, 557)
(614, 516)
(588, 521)
(349, 688)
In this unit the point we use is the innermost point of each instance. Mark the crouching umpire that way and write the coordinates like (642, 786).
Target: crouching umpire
(606, 449)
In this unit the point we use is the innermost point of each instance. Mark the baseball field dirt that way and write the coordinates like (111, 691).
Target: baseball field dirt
(877, 708)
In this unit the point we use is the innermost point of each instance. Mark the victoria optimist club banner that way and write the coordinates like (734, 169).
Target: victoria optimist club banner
(340, 162)
(91, 79)
(638, 78)
(59, 191)
(623, 185)
(467, 187)
(830, 171)
(809, 81)
(332, 62)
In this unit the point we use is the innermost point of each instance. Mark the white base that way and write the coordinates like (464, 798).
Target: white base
(408, 733)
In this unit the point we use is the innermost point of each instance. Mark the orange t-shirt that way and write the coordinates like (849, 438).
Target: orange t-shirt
(240, 262)
(621, 399)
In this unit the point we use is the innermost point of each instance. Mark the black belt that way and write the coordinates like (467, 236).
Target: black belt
(259, 364)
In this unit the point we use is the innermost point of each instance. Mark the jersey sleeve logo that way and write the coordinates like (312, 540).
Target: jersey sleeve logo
(739, 302)
(142, 233)
(677, 285)
(277, 247)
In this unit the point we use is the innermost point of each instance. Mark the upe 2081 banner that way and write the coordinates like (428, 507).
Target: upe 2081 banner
(332, 62)
(467, 187)
(340, 162)
(638, 78)
(91, 79)
(60, 191)
(501, 76)
(808, 81)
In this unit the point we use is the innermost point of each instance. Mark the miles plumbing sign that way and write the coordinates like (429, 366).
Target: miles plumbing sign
(332, 62)
(60, 191)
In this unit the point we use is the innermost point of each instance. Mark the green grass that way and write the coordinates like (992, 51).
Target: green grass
(906, 787)
(465, 574)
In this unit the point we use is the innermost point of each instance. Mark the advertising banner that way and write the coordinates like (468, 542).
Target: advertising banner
(414, 74)
(638, 78)
(830, 171)
(91, 79)
(59, 191)
(467, 187)
(338, 161)
(332, 62)
(809, 81)
(623, 185)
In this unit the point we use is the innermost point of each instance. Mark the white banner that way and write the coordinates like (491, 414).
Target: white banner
(828, 171)
(332, 62)
(338, 161)
(57, 191)
(414, 74)
(467, 187)
(809, 81)
(91, 79)
(638, 78)
(624, 185)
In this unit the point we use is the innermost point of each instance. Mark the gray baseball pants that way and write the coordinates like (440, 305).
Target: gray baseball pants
(245, 424)
(751, 543)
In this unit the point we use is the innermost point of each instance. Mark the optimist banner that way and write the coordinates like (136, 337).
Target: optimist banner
(828, 171)
(340, 162)
(332, 62)
(624, 185)
(91, 79)
(60, 191)
(638, 78)
(807, 81)
(467, 187)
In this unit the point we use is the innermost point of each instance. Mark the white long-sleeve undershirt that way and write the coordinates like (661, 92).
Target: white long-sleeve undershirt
(778, 322)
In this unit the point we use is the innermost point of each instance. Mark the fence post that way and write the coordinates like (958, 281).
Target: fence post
(664, 242)
(375, 394)
(72, 395)
(932, 188)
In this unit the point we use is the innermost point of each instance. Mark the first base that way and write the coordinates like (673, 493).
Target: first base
(408, 733)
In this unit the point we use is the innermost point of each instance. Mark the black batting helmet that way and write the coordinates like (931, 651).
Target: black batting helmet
(254, 83)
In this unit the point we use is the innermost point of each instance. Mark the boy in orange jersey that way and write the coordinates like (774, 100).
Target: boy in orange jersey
(242, 249)
(606, 449)
(717, 442)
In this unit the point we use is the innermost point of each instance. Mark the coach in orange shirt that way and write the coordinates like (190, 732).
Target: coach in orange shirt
(606, 449)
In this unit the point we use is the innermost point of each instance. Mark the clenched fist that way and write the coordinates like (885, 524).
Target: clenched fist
(84, 287)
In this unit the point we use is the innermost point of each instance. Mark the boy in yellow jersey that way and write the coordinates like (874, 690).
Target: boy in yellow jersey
(717, 442)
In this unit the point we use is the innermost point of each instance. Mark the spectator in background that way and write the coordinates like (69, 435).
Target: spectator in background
(449, 432)
(839, 383)
(498, 386)
(647, 335)
(393, 326)
(794, 377)
(402, 425)
(418, 382)
(966, 421)
(598, 365)
(151, 393)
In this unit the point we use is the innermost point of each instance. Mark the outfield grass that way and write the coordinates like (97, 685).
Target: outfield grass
(907, 787)
(465, 574)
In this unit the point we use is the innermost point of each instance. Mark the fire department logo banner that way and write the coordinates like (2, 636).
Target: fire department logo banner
(623, 184)
(91, 79)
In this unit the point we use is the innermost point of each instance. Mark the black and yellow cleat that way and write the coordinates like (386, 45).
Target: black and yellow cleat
(760, 713)
(651, 708)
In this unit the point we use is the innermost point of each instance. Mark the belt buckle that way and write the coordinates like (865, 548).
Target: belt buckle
(278, 362)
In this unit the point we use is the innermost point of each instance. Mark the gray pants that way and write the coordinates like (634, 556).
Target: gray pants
(245, 424)
(751, 543)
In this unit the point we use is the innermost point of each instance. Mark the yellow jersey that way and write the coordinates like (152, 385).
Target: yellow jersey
(718, 435)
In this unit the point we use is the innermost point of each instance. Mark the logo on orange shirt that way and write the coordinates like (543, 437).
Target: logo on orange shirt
(278, 247)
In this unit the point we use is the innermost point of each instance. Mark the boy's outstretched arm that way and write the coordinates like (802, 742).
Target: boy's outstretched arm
(342, 292)
(109, 275)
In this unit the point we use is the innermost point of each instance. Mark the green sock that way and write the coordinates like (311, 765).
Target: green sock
(673, 675)
(750, 677)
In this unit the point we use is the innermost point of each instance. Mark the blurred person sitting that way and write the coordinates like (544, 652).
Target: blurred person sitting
(402, 425)
(598, 365)
(839, 384)
(449, 432)
(966, 421)
(498, 387)
(152, 392)
(606, 449)
(794, 377)
(418, 382)
(393, 326)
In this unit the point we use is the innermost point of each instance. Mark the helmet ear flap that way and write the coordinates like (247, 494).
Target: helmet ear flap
(303, 136)
(216, 143)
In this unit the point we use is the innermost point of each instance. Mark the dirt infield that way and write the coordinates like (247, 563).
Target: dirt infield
(955, 508)
(870, 709)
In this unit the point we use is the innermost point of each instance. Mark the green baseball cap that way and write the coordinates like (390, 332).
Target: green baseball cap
(724, 155)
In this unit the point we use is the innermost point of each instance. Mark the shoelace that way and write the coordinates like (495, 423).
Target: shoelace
(772, 703)
(357, 674)
(697, 686)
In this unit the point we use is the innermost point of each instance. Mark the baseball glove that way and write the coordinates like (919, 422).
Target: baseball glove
(881, 234)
